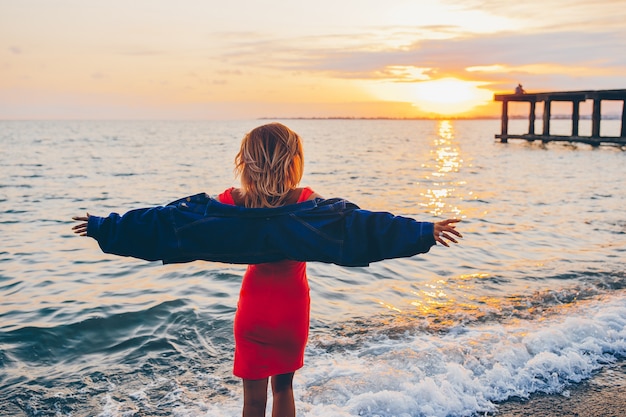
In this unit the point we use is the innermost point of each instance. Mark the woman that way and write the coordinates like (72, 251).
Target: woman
(272, 319)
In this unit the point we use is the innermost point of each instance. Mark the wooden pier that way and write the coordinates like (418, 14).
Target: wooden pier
(575, 97)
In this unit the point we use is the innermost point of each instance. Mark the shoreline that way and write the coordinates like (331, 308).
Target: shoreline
(600, 396)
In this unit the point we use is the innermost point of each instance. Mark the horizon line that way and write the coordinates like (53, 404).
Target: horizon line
(485, 117)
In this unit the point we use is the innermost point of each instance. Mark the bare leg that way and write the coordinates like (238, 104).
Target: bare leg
(282, 389)
(254, 397)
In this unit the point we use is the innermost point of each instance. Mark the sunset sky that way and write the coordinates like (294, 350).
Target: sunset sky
(204, 59)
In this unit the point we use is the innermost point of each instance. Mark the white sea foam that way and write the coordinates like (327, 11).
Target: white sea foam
(114, 408)
(463, 374)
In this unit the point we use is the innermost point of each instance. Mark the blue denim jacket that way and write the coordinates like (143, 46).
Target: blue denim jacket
(201, 228)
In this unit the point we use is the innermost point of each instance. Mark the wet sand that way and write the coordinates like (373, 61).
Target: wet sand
(604, 395)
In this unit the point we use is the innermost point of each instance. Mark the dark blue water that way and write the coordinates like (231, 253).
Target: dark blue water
(531, 301)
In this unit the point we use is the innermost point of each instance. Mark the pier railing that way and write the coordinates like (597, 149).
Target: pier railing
(575, 97)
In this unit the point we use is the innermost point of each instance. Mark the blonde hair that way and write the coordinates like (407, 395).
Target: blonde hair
(270, 163)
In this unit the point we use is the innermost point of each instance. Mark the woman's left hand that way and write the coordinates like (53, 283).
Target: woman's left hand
(81, 229)
(445, 230)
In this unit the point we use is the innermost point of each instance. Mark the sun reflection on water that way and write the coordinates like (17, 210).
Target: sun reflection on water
(447, 160)
(443, 304)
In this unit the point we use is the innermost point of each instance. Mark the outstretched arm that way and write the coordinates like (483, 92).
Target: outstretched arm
(331, 231)
(446, 230)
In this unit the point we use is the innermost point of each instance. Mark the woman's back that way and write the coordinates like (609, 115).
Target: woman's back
(272, 319)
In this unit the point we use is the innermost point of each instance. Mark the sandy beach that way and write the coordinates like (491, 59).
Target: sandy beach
(604, 395)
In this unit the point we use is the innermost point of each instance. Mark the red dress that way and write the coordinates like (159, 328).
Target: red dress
(272, 318)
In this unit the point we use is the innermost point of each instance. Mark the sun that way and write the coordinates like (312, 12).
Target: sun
(445, 91)
(442, 97)
(448, 96)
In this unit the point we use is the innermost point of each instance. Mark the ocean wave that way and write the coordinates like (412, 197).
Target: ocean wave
(467, 370)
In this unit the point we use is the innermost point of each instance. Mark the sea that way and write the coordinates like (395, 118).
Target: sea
(532, 301)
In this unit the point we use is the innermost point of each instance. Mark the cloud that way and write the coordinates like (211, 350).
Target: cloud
(15, 50)
(365, 60)
(570, 48)
(555, 14)
(541, 60)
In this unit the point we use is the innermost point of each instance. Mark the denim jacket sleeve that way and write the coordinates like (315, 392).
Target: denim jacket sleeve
(374, 236)
(200, 228)
(143, 233)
